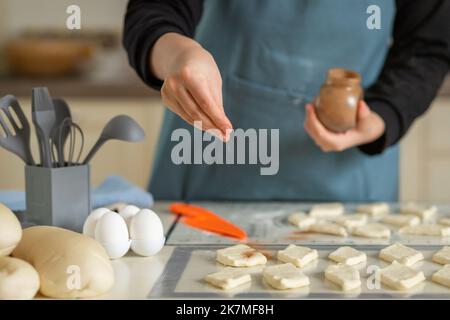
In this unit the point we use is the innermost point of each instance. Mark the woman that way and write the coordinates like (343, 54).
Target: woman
(258, 64)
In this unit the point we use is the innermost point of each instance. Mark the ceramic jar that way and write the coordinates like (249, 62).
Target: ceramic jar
(337, 103)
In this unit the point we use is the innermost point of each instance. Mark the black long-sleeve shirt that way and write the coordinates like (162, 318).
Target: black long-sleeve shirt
(415, 66)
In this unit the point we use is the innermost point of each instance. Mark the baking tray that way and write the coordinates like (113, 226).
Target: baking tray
(266, 223)
(184, 273)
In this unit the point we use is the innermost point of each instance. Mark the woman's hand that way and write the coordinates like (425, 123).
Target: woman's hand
(369, 127)
(192, 83)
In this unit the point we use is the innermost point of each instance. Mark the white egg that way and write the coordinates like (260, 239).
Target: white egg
(147, 247)
(91, 221)
(146, 225)
(128, 212)
(112, 232)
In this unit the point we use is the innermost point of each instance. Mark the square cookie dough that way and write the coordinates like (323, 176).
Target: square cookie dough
(284, 276)
(228, 278)
(375, 209)
(402, 254)
(421, 211)
(372, 230)
(401, 220)
(327, 210)
(352, 220)
(348, 256)
(433, 230)
(400, 277)
(240, 255)
(442, 276)
(331, 228)
(345, 276)
(297, 255)
(301, 220)
(442, 256)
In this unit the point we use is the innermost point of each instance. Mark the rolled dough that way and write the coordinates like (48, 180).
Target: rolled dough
(284, 276)
(423, 212)
(228, 278)
(70, 265)
(426, 230)
(374, 209)
(345, 276)
(298, 256)
(348, 256)
(10, 231)
(240, 255)
(445, 221)
(18, 279)
(328, 228)
(442, 256)
(372, 230)
(301, 220)
(352, 220)
(400, 220)
(442, 276)
(327, 210)
(402, 254)
(400, 277)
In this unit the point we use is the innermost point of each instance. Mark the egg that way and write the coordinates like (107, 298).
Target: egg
(128, 212)
(91, 221)
(112, 233)
(146, 233)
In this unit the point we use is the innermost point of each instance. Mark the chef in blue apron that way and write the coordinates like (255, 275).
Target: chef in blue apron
(257, 64)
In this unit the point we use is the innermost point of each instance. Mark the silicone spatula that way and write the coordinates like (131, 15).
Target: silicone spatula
(206, 220)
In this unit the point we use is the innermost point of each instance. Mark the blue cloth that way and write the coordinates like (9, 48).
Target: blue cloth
(113, 189)
(273, 57)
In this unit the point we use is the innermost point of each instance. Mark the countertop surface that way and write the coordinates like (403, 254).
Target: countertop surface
(177, 271)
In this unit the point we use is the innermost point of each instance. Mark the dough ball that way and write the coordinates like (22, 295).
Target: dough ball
(10, 231)
(18, 279)
(70, 265)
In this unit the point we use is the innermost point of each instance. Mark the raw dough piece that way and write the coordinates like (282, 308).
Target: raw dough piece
(301, 220)
(352, 220)
(374, 209)
(298, 256)
(70, 265)
(445, 221)
(345, 276)
(18, 279)
(328, 228)
(372, 230)
(285, 276)
(10, 231)
(400, 277)
(401, 220)
(423, 212)
(402, 254)
(442, 256)
(348, 256)
(426, 230)
(327, 210)
(228, 278)
(240, 255)
(442, 276)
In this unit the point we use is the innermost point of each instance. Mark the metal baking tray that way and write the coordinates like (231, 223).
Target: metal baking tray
(183, 277)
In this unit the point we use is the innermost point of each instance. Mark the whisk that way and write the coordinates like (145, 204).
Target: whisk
(71, 129)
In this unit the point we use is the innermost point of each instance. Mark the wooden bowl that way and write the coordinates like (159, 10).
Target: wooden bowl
(46, 57)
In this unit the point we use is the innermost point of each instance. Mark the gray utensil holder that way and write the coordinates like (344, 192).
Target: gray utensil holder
(58, 196)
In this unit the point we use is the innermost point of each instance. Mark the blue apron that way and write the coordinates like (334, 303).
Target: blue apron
(273, 57)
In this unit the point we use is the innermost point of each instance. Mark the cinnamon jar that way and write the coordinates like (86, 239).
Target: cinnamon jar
(337, 103)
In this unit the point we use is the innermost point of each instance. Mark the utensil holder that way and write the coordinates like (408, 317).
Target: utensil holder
(58, 196)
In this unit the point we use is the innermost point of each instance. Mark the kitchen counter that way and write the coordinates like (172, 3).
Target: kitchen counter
(177, 271)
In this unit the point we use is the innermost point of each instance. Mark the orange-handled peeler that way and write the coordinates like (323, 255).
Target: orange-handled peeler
(203, 219)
